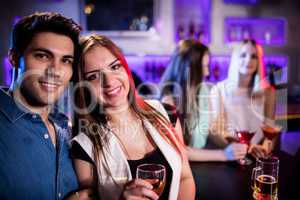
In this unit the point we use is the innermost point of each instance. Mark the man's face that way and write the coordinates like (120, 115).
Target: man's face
(48, 63)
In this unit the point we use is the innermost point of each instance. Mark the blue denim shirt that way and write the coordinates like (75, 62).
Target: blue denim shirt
(31, 167)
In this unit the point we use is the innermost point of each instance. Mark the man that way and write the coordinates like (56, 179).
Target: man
(34, 157)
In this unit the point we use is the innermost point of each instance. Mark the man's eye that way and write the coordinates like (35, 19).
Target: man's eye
(68, 61)
(41, 56)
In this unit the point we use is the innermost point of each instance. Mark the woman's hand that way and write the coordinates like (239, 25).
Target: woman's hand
(84, 194)
(235, 151)
(258, 151)
(139, 189)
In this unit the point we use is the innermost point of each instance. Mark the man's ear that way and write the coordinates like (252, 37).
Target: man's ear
(13, 58)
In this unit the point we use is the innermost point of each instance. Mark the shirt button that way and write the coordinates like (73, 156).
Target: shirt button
(46, 136)
(34, 116)
(59, 195)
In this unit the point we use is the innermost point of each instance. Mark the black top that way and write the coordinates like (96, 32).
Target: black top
(156, 157)
(77, 152)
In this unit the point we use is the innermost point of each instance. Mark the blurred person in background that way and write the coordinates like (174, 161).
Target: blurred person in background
(183, 86)
(245, 100)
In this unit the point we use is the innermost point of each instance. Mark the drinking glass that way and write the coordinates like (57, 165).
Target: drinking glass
(270, 133)
(155, 174)
(265, 179)
(244, 137)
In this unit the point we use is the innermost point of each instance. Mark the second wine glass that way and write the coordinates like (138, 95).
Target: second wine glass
(270, 132)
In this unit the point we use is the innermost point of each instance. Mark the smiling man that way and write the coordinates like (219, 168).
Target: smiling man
(34, 155)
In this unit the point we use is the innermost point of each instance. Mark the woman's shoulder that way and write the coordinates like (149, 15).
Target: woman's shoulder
(224, 87)
(218, 86)
(85, 142)
(158, 106)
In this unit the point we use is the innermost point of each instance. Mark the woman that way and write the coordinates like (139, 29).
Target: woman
(118, 130)
(183, 86)
(245, 100)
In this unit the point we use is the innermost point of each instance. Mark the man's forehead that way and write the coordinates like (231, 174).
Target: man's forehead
(53, 42)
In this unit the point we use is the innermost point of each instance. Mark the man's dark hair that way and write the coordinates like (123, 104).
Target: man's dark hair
(25, 29)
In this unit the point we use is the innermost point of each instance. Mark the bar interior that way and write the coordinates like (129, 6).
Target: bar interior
(152, 33)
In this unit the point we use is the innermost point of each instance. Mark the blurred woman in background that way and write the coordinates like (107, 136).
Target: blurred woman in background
(245, 100)
(182, 85)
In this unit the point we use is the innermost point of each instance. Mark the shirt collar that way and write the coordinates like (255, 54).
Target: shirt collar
(14, 110)
(9, 107)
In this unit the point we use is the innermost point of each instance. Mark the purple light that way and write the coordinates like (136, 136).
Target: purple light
(150, 68)
(195, 23)
(241, 1)
(266, 31)
(219, 67)
(7, 71)
(16, 19)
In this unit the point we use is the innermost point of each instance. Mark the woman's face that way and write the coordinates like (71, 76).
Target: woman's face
(248, 59)
(109, 79)
(205, 65)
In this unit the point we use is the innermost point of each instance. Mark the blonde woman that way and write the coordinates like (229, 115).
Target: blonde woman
(245, 100)
(122, 130)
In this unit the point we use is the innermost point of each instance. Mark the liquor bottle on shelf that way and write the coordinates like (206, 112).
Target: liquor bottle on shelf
(238, 30)
(147, 70)
(153, 71)
(246, 32)
(232, 34)
(180, 32)
(216, 72)
(200, 33)
(268, 37)
(191, 30)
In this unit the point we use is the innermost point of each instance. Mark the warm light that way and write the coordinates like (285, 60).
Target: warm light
(89, 8)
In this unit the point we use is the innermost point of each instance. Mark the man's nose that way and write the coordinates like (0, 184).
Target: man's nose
(53, 72)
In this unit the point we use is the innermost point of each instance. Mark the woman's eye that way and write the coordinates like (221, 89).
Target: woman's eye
(116, 67)
(254, 56)
(92, 77)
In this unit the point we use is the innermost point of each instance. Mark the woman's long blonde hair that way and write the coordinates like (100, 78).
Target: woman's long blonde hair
(97, 115)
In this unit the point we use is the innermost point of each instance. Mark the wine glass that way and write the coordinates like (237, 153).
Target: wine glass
(270, 132)
(244, 137)
(155, 174)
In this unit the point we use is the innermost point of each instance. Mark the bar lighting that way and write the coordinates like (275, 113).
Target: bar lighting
(150, 67)
(266, 31)
(7, 71)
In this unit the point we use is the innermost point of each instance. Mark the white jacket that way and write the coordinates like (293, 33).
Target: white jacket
(119, 167)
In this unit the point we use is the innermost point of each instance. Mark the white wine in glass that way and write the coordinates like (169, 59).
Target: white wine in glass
(155, 174)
